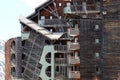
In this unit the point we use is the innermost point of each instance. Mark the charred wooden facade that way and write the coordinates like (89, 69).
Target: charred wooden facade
(72, 40)
(111, 40)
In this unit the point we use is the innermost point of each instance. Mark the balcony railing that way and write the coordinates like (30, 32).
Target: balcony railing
(60, 61)
(53, 22)
(60, 75)
(73, 32)
(80, 9)
(73, 46)
(69, 46)
(74, 74)
(74, 60)
(60, 47)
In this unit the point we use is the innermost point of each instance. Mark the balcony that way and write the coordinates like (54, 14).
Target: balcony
(73, 32)
(61, 75)
(60, 61)
(74, 60)
(61, 48)
(66, 48)
(53, 22)
(74, 74)
(92, 8)
(73, 46)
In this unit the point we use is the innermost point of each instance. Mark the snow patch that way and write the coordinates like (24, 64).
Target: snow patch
(2, 60)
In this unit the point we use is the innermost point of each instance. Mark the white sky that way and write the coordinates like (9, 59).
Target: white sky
(34, 3)
(10, 10)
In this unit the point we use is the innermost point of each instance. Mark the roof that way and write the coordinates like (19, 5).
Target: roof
(41, 30)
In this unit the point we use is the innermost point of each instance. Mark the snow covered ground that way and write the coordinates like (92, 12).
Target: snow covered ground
(2, 60)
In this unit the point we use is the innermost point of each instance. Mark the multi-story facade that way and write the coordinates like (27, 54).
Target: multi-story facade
(13, 59)
(71, 40)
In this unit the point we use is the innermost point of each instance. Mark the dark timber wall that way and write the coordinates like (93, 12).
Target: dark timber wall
(111, 45)
(90, 48)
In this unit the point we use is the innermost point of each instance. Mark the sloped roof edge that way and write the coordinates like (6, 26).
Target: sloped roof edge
(39, 8)
(44, 5)
(41, 30)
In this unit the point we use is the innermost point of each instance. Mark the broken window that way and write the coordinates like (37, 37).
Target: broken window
(97, 69)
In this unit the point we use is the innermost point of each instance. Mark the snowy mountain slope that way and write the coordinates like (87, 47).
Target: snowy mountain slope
(2, 60)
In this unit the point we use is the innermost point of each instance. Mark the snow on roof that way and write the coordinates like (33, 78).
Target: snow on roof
(41, 30)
